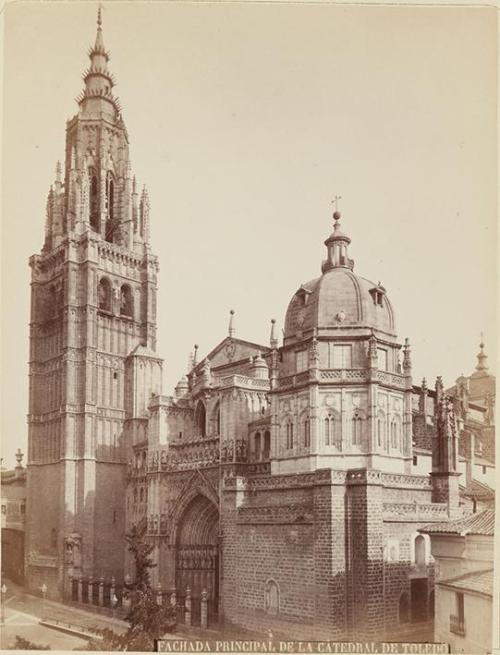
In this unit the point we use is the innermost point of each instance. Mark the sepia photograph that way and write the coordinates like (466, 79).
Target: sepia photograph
(249, 340)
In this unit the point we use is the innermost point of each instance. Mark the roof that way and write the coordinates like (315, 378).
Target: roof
(477, 490)
(338, 299)
(481, 523)
(478, 581)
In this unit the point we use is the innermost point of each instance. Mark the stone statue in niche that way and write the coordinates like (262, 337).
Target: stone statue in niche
(73, 550)
(271, 598)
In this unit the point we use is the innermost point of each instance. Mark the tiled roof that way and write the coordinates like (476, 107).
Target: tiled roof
(479, 581)
(478, 490)
(480, 523)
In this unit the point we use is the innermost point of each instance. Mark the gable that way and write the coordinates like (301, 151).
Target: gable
(232, 351)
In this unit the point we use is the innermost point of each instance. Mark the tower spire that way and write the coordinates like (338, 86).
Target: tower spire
(98, 80)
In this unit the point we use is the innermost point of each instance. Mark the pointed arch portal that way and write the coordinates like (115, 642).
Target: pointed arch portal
(197, 557)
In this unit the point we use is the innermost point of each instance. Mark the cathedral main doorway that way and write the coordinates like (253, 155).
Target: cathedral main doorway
(197, 556)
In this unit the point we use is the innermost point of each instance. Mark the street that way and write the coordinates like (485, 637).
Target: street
(22, 613)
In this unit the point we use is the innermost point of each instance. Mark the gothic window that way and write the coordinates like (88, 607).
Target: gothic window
(126, 301)
(420, 551)
(104, 294)
(53, 537)
(110, 199)
(135, 494)
(356, 427)
(381, 428)
(94, 200)
(200, 419)
(332, 431)
(395, 432)
(216, 415)
(289, 435)
(256, 449)
(307, 432)
(267, 445)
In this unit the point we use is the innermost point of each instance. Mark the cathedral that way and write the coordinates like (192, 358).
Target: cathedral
(284, 483)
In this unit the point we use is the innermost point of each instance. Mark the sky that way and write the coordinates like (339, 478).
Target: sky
(245, 120)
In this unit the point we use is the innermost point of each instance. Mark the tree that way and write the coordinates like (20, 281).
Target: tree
(147, 619)
(25, 644)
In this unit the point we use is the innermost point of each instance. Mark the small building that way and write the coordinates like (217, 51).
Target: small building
(463, 551)
(13, 519)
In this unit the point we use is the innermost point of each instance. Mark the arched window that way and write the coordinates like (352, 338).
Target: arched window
(267, 445)
(256, 448)
(420, 551)
(404, 608)
(135, 494)
(216, 415)
(126, 301)
(200, 419)
(289, 435)
(307, 432)
(332, 431)
(395, 432)
(381, 429)
(94, 200)
(356, 430)
(110, 201)
(104, 294)
(53, 537)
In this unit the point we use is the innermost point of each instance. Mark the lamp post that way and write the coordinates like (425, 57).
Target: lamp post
(2, 615)
(43, 589)
(114, 602)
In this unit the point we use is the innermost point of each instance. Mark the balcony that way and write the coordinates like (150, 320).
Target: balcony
(457, 625)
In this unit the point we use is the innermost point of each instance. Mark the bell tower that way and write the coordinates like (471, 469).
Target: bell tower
(92, 328)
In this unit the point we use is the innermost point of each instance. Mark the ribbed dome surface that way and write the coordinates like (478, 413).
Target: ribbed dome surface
(339, 298)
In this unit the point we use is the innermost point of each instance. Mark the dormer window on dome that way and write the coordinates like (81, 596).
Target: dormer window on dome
(377, 294)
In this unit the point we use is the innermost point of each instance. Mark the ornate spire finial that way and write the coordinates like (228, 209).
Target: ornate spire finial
(482, 357)
(19, 457)
(231, 330)
(336, 214)
(99, 17)
(195, 355)
(273, 340)
(58, 171)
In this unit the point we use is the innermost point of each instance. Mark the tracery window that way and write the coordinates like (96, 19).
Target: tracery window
(356, 430)
(332, 431)
(307, 432)
(267, 445)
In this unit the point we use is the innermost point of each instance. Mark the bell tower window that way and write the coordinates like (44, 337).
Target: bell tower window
(104, 295)
(94, 200)
(126, 302)
(110, 200)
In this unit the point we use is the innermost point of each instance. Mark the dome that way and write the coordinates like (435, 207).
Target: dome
(339, 298)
